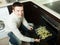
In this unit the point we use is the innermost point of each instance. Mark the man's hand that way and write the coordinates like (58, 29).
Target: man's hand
(30, 28)
(37, 40)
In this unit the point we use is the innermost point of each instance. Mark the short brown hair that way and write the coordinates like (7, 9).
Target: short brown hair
(16, 4)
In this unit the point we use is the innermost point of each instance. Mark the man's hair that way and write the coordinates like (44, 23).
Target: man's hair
(16, 4)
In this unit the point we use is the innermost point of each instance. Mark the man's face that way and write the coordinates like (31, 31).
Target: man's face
(18, 10)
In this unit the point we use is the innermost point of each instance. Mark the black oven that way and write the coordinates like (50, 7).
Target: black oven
(40, 17)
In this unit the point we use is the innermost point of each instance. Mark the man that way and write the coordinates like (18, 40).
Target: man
(14, 21)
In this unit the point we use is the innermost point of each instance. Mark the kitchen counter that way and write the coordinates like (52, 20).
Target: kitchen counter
(48, 9)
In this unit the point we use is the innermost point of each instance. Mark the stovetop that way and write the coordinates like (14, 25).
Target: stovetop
(55, 6)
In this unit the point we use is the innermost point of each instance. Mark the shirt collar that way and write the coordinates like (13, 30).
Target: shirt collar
(14, 15)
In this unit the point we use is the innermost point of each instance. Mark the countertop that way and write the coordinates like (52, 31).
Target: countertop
(42, 5)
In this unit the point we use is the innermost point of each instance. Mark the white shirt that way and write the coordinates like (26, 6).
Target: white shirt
(13, 22)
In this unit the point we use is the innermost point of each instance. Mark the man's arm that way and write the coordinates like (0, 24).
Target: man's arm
(24, 38)
(25, 23)
(11, 25)
(20, 36)
(13, 28)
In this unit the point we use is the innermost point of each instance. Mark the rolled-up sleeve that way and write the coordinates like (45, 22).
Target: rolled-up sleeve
(25, 23)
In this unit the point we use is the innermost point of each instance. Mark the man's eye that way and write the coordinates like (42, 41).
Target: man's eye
(22, 10)
(18, 10)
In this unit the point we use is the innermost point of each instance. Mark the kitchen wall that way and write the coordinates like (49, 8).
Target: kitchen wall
(44, 1)
(2, 2)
